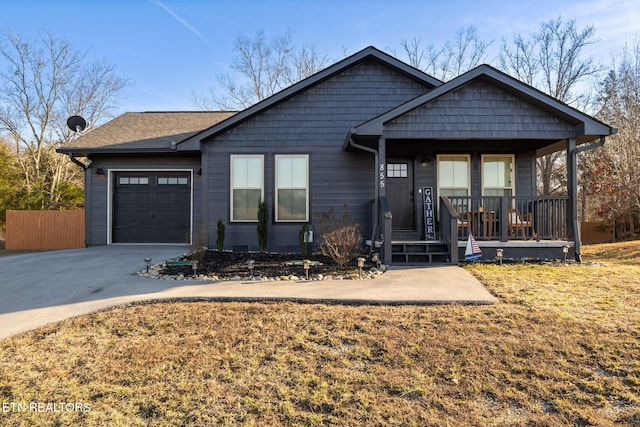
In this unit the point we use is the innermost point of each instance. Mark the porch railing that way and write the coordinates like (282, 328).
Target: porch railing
(512, 218)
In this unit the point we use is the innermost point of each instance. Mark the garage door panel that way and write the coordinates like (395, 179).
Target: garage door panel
(148, 209)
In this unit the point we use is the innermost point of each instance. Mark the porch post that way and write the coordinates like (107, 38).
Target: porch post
(572, 191)
(385, 215)
(505, 203)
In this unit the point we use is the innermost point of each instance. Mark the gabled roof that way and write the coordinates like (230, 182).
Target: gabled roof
(143, 132)
(365, 54)
(585, 125)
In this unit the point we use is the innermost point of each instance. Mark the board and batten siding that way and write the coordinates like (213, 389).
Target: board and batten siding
(97, 210)
(313, 122)
(478, 110)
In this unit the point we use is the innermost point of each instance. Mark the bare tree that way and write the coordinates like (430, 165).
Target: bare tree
(552, 60)
(464, 52)
(265, 67)
(45, 82)
(613, 174)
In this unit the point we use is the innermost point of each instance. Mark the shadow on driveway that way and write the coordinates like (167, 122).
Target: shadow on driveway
(55, 278)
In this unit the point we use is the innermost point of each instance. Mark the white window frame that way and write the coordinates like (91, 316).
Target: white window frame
(232, 157)
(276, 188)
(513, 173)
(465, 156)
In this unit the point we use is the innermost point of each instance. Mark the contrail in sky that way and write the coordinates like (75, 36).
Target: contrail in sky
(180, 20)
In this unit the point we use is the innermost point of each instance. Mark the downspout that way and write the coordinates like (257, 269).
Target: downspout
(590, 146)
(576, 223)
(377, 190)
(86, 178)
(77, 162)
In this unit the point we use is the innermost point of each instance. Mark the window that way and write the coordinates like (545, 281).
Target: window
(497, 175)
(247, 178)
(453, 175)
(173, 180)
(292, 188)
(397, 170)
(133, 180)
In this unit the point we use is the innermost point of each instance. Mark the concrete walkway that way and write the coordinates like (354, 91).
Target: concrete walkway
(37, 289)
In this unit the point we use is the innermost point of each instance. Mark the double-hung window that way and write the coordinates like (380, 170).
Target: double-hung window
(497, 175)
(292, 188)
(453, 175)
(247, 186)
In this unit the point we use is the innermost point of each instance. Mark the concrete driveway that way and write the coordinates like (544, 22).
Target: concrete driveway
(40, 288)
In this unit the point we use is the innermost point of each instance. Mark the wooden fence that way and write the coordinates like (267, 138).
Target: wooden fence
(45, 229)
(596, 232)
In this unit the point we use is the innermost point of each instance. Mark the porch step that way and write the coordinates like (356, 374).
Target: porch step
(419, 252)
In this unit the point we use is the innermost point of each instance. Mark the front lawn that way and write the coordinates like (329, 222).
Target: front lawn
(561, 348)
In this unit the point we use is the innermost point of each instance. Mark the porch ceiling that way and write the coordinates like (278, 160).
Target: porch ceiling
(540, 146)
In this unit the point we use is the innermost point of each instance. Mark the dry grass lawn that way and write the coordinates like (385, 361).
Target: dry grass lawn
(562, 348)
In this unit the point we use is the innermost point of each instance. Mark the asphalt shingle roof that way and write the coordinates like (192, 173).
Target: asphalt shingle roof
(148, 131)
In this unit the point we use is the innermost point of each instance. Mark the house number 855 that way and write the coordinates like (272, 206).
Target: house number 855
(381, 175)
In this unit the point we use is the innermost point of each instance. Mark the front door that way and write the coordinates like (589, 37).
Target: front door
(400, 193)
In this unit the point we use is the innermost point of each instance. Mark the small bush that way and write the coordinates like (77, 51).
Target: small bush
(303, 237)
(341, 239)
(263, 218)
(220, 237)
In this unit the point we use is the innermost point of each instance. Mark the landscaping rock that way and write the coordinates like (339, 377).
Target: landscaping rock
(228, 265)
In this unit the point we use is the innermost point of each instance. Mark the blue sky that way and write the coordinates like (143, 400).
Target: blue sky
(172, 48)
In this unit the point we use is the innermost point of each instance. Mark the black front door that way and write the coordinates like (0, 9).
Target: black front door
(151, 207)
(400, 193)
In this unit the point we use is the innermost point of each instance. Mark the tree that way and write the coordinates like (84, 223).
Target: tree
(266, 66)
(552, 60)
(464, 52)
(9, 181)
(44, 83)
(613, 175)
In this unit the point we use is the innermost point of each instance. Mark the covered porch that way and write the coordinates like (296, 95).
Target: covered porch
(523, 227)
(462, 159)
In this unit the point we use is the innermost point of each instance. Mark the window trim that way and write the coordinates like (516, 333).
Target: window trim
(276, 188)
(232, 157)
(513, 173)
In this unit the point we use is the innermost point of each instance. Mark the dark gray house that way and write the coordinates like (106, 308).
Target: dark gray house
(419, 164)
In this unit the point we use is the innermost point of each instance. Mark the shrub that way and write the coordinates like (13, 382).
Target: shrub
(263, 217)
(341, 239)
(220, 237)
(303, 237)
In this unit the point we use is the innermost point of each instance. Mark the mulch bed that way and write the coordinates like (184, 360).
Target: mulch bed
(227, 265)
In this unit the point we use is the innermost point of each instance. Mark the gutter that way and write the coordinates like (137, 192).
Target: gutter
(377, 190)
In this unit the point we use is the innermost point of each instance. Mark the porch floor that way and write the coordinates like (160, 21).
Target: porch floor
(520, 243)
